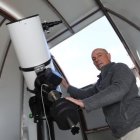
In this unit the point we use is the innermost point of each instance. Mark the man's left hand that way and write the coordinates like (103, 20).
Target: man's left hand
(76, 101)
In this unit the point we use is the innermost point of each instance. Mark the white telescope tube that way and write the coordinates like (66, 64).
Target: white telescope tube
(30, 45)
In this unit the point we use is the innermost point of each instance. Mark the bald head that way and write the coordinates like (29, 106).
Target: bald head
(100, 49)
(100, 58)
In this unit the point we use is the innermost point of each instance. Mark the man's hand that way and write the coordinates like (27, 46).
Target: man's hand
(76, 101)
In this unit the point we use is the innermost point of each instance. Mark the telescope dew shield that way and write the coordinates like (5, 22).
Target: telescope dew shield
(30, 46)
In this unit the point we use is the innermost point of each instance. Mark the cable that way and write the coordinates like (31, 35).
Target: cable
(44, 111)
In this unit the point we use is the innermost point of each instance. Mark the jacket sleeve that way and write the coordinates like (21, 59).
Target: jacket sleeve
(120, 83)
(81, 93)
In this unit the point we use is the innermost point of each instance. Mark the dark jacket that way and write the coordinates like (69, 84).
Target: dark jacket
(117, 93)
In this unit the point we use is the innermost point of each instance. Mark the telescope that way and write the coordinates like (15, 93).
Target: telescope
(42, 78)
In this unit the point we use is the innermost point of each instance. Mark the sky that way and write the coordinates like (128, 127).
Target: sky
(74, 54)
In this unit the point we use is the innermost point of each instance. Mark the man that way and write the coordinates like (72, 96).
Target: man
(116, 92)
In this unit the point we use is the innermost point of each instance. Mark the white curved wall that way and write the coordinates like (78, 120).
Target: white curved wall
(10, 98)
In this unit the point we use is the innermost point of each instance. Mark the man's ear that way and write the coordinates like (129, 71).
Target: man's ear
(109, 56)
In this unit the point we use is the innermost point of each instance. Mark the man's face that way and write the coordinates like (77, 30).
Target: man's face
(100, 58)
